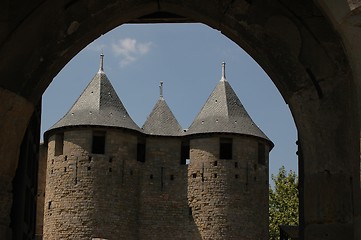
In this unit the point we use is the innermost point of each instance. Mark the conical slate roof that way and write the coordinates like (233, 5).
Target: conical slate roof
(98, 105)
(161, 120)
(223, 112)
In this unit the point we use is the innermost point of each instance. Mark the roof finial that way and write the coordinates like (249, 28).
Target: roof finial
(101, 69)
(223, 71)
(161, 90)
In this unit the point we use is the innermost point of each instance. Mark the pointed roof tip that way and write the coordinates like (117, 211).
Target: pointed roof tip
(223, 72)
(161, 90)
(161, 121)
(101, 64)
(97, 105)
(223, 112)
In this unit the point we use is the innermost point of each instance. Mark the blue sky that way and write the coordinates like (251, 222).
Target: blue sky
(187, 58)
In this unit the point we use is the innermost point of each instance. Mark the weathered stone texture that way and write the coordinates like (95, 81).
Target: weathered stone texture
(91, 195)
(112, 194)
(15, 112)
(329, 30)
(228, 197)
(163, 209)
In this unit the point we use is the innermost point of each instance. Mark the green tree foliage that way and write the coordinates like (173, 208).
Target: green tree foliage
(283, 201)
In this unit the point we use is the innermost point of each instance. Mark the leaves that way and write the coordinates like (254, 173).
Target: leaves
(283, 201)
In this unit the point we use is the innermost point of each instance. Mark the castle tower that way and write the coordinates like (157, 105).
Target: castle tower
(164, 211)
(228, 171)
(92, 168)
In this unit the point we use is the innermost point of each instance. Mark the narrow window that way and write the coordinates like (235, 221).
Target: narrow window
(194, 175)
(225, 148)
(236, 164)
(98, 146)
(184, 153)
(59, 144)
(49, 204)
(215, 163)
(261, 154)
(172, 177)
(141, 151)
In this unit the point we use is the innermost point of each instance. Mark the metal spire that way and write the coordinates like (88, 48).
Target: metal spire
(101, 69)
(161, 90)
(223, 71)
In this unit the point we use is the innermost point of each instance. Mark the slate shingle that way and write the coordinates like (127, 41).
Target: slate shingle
(98, 105)
(223, 112)
(161, 121)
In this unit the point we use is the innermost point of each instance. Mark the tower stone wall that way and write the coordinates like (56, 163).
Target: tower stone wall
(228, 197)
(106, 178)
(164, 212)
(91, 195)
(114, 194)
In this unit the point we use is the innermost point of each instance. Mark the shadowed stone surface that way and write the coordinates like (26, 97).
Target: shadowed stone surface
(321, 84)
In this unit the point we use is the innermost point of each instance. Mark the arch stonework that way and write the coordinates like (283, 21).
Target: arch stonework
(308, 48)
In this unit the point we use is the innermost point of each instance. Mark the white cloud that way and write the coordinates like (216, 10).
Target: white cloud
(130, 50)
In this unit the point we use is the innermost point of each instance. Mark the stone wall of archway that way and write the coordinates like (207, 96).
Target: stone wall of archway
(293, 42)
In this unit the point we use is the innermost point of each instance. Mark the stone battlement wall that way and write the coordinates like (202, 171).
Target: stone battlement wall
(163, 211)
(91, 195)
(159, 197)
(228, 197)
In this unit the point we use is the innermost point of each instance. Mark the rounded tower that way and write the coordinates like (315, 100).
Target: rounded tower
(91, 178)
(228, 170)
(163, 208)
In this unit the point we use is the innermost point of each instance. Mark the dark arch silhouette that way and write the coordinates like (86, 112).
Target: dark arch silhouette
(293, 42)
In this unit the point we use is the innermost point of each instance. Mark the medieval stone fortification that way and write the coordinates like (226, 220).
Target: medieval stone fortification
(107, 178)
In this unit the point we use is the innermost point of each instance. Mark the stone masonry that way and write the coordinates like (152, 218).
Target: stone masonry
(228, 197)
(106, 178)
(91, 195)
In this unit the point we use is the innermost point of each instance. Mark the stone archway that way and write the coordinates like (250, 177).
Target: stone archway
(292, 42)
